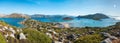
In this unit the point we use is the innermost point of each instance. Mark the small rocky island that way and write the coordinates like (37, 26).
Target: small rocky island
(67, 18)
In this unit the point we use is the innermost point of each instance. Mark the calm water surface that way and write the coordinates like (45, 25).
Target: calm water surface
(73, 23)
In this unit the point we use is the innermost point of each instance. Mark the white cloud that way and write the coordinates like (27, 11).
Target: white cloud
(117, 18)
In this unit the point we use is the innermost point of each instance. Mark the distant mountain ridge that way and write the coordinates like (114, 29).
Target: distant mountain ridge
(38, 15)
(2, 15)
(96, 16)
(16, 15)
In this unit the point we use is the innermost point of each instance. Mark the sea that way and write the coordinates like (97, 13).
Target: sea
(82, 22)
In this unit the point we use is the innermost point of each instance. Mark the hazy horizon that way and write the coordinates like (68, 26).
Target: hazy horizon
(63, 7)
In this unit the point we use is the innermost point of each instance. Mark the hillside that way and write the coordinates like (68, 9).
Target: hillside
(11, 34)
(47, 33)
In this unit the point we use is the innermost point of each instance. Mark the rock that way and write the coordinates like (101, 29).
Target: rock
(71, 37)
(1, 30)
(105, 34)
(19, 30)
(54, 32)
(11, 29)
(78, 35)
(118, 34)
(113, 38)
(22, 36)
(6, 35)
(60, 39)
(5, 27)
(91, 32)
(109, 38)
(49, 35)
(12, 35)
(58, 42)
(50, 30)
(107, 41)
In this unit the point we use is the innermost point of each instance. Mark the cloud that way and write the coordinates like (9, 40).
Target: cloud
(116, 17)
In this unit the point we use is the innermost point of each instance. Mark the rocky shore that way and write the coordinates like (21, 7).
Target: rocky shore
(62, 34)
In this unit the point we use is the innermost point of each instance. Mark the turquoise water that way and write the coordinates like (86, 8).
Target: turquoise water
(92, 23)
(49, 19)
(13, 21)
(73, 23)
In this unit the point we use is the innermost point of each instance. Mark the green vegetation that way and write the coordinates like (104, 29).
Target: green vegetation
(35, 33)
(2, 39)
(12, 40)
(35, 36)
(96, 38)
(3, 23)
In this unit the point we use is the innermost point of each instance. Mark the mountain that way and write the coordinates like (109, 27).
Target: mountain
(38, 15)
(2, 15)
(16, 15)
(97, 16)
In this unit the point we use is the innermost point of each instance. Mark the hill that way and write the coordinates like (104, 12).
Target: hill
(16, 15)
(97, 16)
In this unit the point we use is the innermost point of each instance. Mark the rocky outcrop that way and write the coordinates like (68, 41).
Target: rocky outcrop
(109, 38)
(11, 33)
(22, 36)
(115, 29)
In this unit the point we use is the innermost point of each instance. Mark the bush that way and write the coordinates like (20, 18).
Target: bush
(12, 40)
(89, 39)
(2, 39)
(35, 36)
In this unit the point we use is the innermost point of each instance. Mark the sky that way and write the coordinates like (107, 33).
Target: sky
(61, 7)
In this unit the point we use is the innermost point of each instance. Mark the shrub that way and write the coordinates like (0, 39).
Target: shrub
(2, 39)
(96, 38)
(12, 40)
(35, 36)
